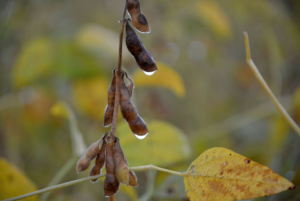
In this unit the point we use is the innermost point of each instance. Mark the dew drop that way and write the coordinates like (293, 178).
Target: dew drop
(140, 137)
(149, 73)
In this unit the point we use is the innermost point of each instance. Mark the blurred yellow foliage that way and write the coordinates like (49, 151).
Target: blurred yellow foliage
(279, 132)
(130, 191)
(90, 96)
(59, 110)
(13, 182)
(221, 174)
(297, 104)
(165, 77)
(213, 15)
(164, 145)
(33, 62)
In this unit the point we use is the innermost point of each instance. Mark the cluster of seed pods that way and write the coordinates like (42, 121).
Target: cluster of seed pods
(110, 154)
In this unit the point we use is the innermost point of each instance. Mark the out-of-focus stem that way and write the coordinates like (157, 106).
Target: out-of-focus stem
(78, 181)
(266, 87)
(60, 174)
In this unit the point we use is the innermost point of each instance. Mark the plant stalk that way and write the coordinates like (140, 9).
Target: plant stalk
(78, 181)
(118, 76)
(266, 87)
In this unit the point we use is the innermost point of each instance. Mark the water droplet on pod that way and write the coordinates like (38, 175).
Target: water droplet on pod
(149, 73)
(140, 137)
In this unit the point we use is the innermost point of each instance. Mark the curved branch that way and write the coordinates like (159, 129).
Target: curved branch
(266, 87)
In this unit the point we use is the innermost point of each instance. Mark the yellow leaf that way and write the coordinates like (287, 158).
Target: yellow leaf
(165, 77)
(34, 62)
(164, 145)
(91, 96)
(212, 14)
(130, 192)
(100, 40)
(13, 182)
(59, 109)
(221, 174)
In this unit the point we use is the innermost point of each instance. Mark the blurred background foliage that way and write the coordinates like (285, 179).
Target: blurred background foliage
(203, 95)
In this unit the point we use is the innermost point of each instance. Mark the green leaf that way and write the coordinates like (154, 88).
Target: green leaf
(166, 77)
(73, 63)
(34, 62)
(100, 41)
(164, 145)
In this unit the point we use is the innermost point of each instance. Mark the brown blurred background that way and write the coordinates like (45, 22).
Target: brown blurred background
(62, 50)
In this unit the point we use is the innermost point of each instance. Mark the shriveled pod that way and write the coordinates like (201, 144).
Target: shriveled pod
(111, 183)
(133, 179)
(109, 110)
(121, 165)
(99, 162)
(85, 161)
(135, 122)
(130, 86)
(138, 19)
(138, 51)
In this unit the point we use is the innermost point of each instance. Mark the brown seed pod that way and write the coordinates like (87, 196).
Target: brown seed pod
(130, 86)
(85, 161)
(138, 51)
(121, 165)
(99, 162)
(111, 183)
(133, 179)
(135, 122)
(138, 19)
(109, 110)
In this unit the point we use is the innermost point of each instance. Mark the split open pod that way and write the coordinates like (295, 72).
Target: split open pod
(138, 19)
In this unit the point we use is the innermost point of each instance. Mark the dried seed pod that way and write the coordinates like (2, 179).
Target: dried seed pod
(130, 86)
(111, 183)
(121, 165)
(133, 179)
(138, 51)
(109, 110)
(82, 164)
(135, 122)
(138, 19)
(99, 162)
(85, 161)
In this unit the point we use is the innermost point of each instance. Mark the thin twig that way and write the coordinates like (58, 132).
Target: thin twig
(151, 176)
(153, 167)
(267, 89)
(240, 120)
(78, 181)
(60, 174)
